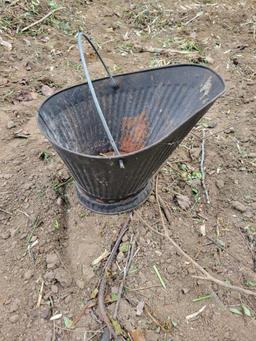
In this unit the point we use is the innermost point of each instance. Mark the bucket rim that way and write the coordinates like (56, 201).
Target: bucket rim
(124, 155)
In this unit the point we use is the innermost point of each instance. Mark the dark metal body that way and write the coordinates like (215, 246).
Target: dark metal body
(166, 102)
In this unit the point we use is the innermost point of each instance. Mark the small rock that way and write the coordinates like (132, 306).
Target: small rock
(80, 284)
(6, 235)
(45, 312)
(33, 239)
(63, 277)
(152, 199)
(120, 256)
(28, 274)
(125, 238)
(183, 201)
(252, 155)
(10, 124)
(14, 318)
(239, 206)
(229, 130)
(47, 91)
(52, 260)
(54, 289)
(211, 125)
(171, 269)
(195, 154)
(14, 306)
(219, 183)
(59, 201)
(209, 60)
(185, 290)
(49, 276)
(28, 186)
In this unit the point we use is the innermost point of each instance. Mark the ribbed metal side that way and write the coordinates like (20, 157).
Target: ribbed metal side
(152, 110)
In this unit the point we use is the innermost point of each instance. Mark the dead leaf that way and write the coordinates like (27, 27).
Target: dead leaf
(25, 96)
(137, 335)
(139, 308)
(47, 91)
(5, 44)
(183, 201)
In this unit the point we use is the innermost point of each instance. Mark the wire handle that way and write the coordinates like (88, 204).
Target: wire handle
(95, 100)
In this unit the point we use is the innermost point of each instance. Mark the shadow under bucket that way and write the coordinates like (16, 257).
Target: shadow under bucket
(148, 114)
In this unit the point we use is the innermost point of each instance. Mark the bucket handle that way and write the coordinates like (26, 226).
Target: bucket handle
(95, 100)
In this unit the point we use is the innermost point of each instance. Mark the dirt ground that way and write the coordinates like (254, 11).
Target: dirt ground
(48, 241)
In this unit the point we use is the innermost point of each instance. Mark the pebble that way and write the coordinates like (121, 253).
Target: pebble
(80, 284)
(10, 124)
(14, 306)
(152, 199)
(171, 269)
(28, 274)
(63, 277)
(27, 186)
(230, 130)
(219, 183)
(59, 201)
(185, 290)
(120, 256)
(5, 235)
(252, 155)
(239, 206)
(209, 60)
(211, 124)
(14, 318)
(125, 238)
(49, 276)
(54, 289)
(52, 260)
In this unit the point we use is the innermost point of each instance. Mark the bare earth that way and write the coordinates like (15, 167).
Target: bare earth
(48, 240)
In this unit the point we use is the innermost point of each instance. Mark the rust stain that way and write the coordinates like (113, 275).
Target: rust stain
(134, 133)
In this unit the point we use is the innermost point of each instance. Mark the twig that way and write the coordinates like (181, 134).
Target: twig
(165, 209)
(82, 312)
(25, 213)
(126, 271)
(147, 311)
(163, 51)
(159, 207)
(194, 315)
(102, 285)
(42, 19)
(208, 276)
(194, 18)
(4, 211)
(40, 295)
(202, 168)
(143, 288)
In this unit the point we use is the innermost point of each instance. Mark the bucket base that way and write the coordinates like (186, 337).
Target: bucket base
(116, 207)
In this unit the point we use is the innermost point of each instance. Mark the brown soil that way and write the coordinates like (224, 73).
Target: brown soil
(48, 237)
